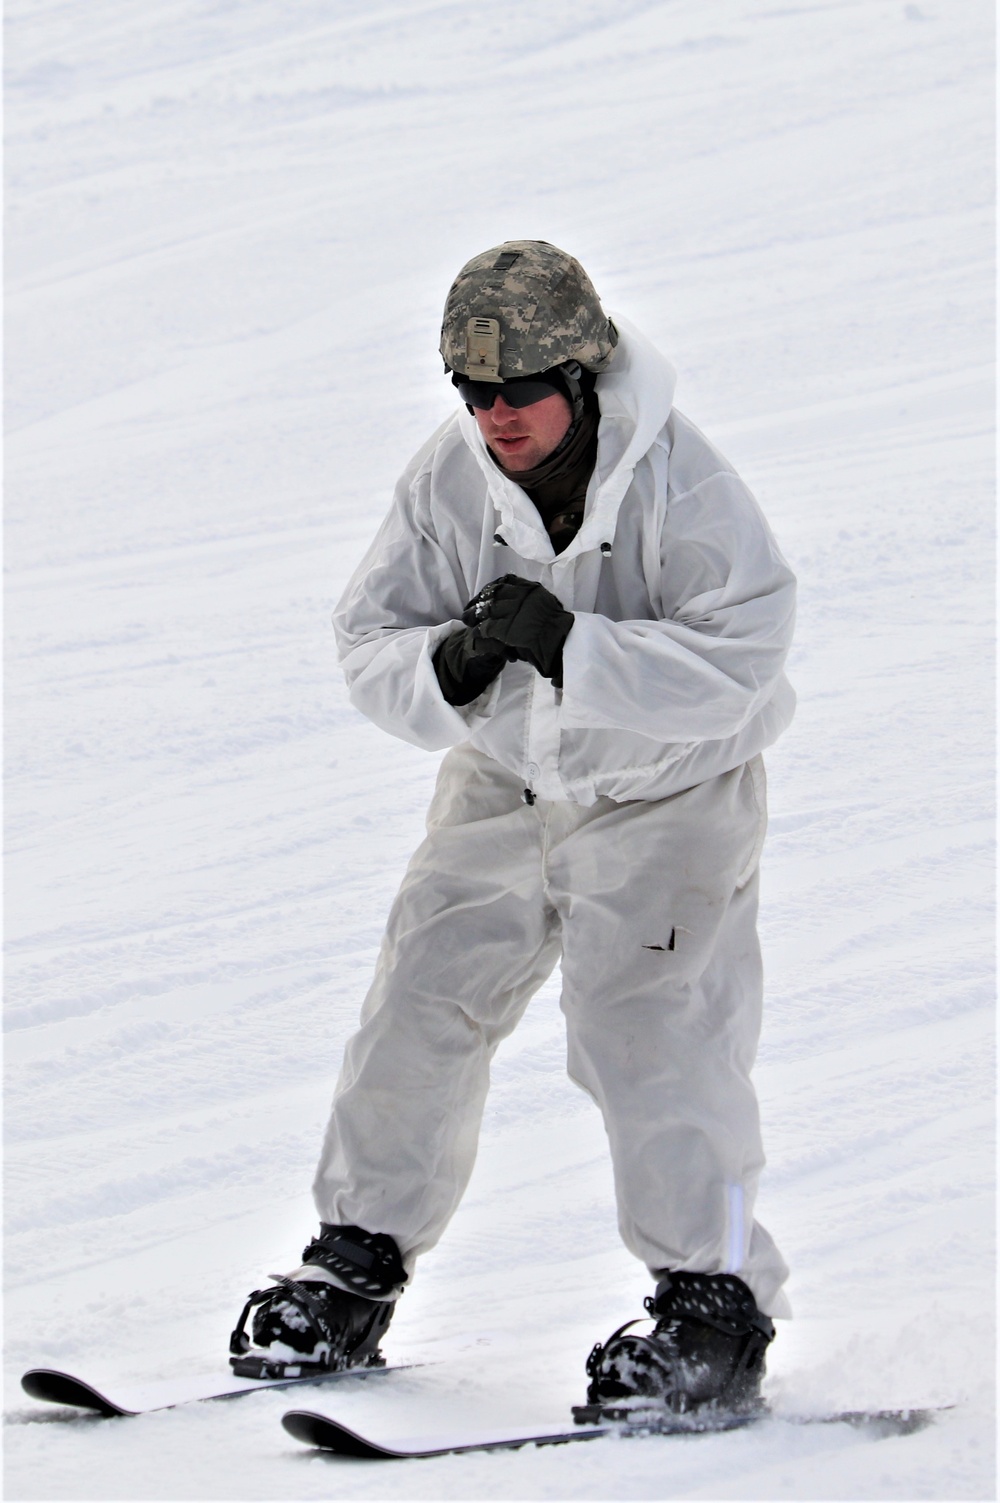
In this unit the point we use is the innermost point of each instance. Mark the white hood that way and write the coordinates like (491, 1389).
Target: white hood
(635, 398)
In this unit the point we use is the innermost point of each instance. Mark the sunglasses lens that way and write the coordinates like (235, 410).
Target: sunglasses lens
(479, 394)
(483, 394)
(526, 393)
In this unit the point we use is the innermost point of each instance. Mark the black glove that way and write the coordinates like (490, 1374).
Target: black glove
(527, 618)
(466, 664)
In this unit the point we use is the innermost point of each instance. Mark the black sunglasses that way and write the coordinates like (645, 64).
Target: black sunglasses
(522, 391)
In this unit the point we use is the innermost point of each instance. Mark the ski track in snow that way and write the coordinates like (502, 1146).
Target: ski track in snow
(231, 228)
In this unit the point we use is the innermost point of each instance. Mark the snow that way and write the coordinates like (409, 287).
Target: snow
(231, 228)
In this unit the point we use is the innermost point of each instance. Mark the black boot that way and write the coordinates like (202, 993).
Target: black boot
(327, 1322)
(703, 1358)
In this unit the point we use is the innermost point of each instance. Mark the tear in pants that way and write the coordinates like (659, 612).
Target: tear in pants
(652, 908)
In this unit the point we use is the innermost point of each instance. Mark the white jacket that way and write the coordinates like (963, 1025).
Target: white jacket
(683, 605)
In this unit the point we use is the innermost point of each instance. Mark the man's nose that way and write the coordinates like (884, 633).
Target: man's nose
(502, 412)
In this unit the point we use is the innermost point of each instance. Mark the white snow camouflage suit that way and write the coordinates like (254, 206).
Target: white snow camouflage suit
(636, 865)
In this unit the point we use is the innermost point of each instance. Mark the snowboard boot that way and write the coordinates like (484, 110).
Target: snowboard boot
(328, 1315)
(704, 1358)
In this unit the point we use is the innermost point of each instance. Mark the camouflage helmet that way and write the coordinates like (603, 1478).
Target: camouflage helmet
(521, 308)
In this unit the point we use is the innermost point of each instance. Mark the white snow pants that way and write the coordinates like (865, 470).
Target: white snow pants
(651, 907)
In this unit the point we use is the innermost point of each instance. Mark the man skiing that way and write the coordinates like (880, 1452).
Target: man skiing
(576, 595)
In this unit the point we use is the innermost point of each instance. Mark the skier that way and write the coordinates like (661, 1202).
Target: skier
(576, 595)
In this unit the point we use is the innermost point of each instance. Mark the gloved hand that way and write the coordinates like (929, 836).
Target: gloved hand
(466, 664)
(526, 618)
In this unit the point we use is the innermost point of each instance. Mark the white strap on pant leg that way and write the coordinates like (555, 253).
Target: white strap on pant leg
(736, 1251)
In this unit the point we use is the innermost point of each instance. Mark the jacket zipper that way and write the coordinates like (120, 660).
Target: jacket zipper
(527, 792)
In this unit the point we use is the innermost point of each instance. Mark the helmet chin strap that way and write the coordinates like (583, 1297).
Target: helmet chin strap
(571, 373)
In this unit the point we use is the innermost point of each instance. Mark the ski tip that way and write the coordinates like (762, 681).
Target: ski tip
(320, 1431)
(883, 1422)
(55, 1387)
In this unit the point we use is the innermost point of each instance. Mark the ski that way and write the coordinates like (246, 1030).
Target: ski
(114, 1400)
(319, 1430)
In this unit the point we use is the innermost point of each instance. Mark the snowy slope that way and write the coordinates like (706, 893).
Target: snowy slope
(231, 228)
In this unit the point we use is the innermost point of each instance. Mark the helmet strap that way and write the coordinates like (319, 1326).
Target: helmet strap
(571, 374)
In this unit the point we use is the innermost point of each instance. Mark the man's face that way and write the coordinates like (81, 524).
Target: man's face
(522, 437)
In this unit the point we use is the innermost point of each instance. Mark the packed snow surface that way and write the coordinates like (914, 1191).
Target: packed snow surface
(231, 229)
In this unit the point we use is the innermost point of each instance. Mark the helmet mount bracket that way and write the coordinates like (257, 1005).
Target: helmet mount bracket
(482, 349)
